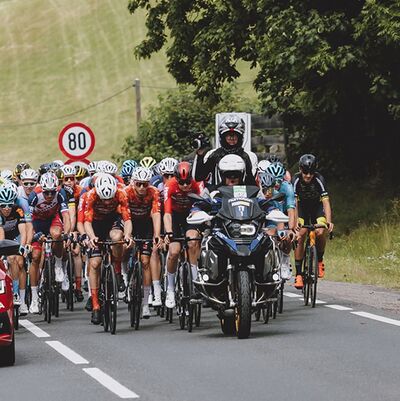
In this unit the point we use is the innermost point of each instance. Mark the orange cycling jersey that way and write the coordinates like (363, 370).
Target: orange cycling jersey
(99, 209)
(82, 208)
(143, 207)
(177, 200)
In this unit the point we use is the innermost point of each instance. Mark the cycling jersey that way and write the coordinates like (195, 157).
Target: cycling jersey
(73, 194)
(99, 209)
(10, 224)
(143, 207)
(45, 210)
(311, 193)
(177, 200)
(289, 202)
(82, 207)
(156, 180)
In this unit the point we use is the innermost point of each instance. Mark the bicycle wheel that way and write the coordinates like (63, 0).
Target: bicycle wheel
(70, 273)
(48, 292)
(105, 304)
(180, 304)
(266, 312)
(197, 314)
(280, 297)
(16, 317)
(137, 294)
(113, 298)
(190, 317)
(306, 277)
(313, 274)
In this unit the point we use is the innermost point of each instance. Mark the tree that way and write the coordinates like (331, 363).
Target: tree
(168, 128)
(331, 69)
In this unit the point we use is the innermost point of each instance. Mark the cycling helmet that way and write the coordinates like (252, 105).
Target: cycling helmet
(156, 169)
(67, 170)
(142, 174)
(106, 186)
(128, 167)
(80, 172)
(231, 123)
(7, 175)
(148, 162)
(266, 180)
(274, 159)
(92, 167)
(49, 181)
(104, 166)
(167, 165)
(232, 166)
(44, 168)
(8, 193)
(58, 163)
(262, 166)
(29, 174)
(276, 170)
(19, 168)
(183, 171)
(308, 163)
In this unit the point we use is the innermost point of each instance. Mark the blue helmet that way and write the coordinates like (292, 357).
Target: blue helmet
(266, 180)
(276, 170)
(128, 166)
(8, 193)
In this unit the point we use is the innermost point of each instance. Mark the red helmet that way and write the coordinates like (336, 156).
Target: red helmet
(183, 172)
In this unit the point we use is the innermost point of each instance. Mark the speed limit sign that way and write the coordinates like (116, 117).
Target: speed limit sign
(76, 141)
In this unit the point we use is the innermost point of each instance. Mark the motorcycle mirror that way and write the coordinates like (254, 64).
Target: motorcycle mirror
(277, 216)
(198, 218)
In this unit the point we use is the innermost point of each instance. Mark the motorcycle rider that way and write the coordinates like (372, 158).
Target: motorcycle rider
(231, 134)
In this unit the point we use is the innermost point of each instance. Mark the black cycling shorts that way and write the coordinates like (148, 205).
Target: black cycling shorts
(311, 214)
(144, 229)
(180, 226)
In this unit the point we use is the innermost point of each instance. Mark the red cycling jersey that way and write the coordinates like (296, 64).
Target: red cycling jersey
(99, 209)
(145, 207)
(82, 207)
(176, 200)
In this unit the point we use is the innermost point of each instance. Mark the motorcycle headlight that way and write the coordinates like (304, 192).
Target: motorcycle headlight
(2, 286)
(234, 230)
(247, 229)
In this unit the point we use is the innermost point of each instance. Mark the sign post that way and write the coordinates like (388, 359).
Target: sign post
(76, 141)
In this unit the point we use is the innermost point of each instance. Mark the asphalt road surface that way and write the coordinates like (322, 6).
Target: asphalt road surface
(338, 351)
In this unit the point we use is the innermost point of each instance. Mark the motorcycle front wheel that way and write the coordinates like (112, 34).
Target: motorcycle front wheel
(243, 308)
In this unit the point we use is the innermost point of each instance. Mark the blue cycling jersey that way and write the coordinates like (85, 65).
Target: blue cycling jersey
(289, 202)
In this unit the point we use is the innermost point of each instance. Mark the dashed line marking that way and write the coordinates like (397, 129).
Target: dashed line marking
(67, 352)
(37, 331)
(378, 318)
(338, 307)
(111, 384)
(319, 302)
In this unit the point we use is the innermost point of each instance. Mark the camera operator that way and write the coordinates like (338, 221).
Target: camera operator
(231, 132)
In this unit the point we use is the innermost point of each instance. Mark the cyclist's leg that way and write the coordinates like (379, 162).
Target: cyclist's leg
(145, 258)
(78, 263)
(155, 267)
(94, 279)
(56, 229)
(321, 237)
(116, 234)
(193, 250)
(299, 251)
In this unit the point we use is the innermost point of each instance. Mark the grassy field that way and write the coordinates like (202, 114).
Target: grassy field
(57, 57)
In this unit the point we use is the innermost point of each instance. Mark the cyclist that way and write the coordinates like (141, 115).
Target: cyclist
(73, 192)
(13, 227)
(144, 204)
(80, 173)
(107, 215)
(313, 208)
(128, 167)
(148, 162)
(47, 203)
(231, 134)
(18, 170)
(176, 209)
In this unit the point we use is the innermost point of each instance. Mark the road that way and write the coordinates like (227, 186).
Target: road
(338, 351)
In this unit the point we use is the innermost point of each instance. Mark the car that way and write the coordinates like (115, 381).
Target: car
(7, 340)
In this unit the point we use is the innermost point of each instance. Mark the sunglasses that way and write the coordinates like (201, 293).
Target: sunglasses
(6, 205)
(49, 193)
(168, 175)
(182, 182)
(142, 184)
(69, 178)
(29, 184)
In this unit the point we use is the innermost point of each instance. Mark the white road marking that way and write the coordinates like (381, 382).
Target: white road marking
(338, 307)
(378, 318)
(292, 295)
(37, 331)
(67, 352)
(319, 302)
(111, 384)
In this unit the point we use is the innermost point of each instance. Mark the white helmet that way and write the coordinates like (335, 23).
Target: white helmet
(142, 174)
(262, 166)
(232, 164)
(59, 162)
(29, 174)
(49, 181)
(92, 167)
(68, 170)
(106, 186)
(7, 175)
(104, 166)
(167, 165)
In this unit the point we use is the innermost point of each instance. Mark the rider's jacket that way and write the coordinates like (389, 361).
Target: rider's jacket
(143, 207)
(99, 209)
(42, 210)
(10, 223)
(176, 200)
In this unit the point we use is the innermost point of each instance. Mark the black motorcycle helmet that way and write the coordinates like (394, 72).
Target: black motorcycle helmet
(231, 123)
(308, 163)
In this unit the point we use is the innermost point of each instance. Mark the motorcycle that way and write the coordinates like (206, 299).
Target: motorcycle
(236, 274)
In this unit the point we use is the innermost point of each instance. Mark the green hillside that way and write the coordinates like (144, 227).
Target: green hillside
(58, 57)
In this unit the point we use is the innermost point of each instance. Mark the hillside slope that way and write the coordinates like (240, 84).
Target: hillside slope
(57, 57)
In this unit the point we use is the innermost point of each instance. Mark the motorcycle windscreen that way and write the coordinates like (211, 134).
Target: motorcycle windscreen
(240, 209)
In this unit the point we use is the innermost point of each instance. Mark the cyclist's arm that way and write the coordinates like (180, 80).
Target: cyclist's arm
(72, 215)
(2, 233)
(168, 222)
(22, 232)
(88, 228)
(327, 210)
(292, 218)
(156, 217)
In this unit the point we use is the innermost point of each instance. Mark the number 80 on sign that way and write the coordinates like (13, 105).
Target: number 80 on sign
(76, 141)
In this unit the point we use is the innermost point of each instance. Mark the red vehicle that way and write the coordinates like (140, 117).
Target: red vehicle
(7, 342)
